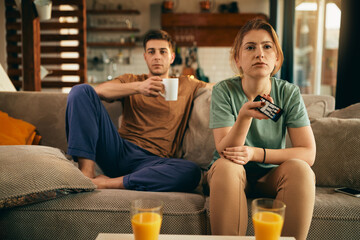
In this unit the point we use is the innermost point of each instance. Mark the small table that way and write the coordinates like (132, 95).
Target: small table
(120, 236)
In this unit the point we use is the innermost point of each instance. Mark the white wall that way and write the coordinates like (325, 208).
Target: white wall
(213, 60)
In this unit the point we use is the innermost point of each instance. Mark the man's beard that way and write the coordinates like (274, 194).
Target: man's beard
(157, 73)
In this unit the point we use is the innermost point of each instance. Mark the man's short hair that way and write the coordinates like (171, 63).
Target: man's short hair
(159, 35)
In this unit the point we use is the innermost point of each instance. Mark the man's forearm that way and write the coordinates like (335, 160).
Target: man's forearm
(111, 91)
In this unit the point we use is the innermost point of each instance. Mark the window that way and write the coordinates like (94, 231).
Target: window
(317, 28)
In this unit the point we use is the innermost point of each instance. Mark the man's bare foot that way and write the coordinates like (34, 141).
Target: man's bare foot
(102, 176)
(100, 181)
(87, 167)
(103, 182)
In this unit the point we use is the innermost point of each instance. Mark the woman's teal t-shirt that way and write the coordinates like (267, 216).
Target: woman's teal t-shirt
(227, 99)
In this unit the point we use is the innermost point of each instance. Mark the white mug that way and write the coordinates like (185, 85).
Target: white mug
(43, 8)
(171, 88)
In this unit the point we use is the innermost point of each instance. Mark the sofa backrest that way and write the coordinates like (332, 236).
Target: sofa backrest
(46, 111)
(318, 106)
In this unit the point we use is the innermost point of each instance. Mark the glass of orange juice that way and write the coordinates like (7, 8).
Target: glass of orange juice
(146, 217)
(268, 218)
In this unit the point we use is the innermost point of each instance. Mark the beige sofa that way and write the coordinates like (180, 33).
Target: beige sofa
(66, 206)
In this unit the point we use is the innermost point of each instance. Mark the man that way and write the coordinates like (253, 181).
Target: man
(138, 156)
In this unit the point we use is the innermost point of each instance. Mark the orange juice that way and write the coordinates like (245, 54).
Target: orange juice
(267, 225)
(146, 225)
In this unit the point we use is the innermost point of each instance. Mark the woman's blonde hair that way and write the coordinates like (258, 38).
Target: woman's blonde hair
(255, 24)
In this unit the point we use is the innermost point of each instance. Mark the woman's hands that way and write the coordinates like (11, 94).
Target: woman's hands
(240, 155)
(249, 109)
(243, 154)
(236, 135)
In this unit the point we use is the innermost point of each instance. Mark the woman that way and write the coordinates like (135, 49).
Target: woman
(251, 157)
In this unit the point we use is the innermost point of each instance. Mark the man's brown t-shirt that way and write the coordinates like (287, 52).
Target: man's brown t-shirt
(153, 123)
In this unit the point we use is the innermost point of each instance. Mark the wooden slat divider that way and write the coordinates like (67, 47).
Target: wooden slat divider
(60, 37)
(54, 14)
(46, 49)
(67, 2)
(46, 26)
(75, 13)
(10, 3)
(15, 72)
(47, 37)
(50, 43)
(12, 13)
(55, 25)
(51, 61)
(30, 42)
(58, 49)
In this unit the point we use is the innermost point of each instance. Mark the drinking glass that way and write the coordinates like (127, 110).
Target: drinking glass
(268, 218)
(146, 218)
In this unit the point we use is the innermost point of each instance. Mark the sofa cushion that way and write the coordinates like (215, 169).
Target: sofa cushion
(337, 151)
(198, 143)
(85, 215)
(32, 174)
(336, 216)
(318, 106)
(352, 111)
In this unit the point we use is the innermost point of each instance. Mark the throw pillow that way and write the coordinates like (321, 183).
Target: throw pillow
(30, 174)
(337, 152)
(16, 132)
(198, 143)
(352, 111)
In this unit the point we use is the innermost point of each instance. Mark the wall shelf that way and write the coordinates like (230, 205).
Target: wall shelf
(117, 12)
(110, 44)
(112, 29)
(206, 29)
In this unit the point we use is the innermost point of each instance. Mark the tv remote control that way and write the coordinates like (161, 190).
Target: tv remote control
(269, 109)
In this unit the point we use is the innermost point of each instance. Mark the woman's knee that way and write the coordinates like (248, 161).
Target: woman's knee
(299, 170)
(225, 169)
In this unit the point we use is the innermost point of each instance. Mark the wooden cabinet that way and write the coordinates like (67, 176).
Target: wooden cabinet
(103, 23)
(206, 29)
